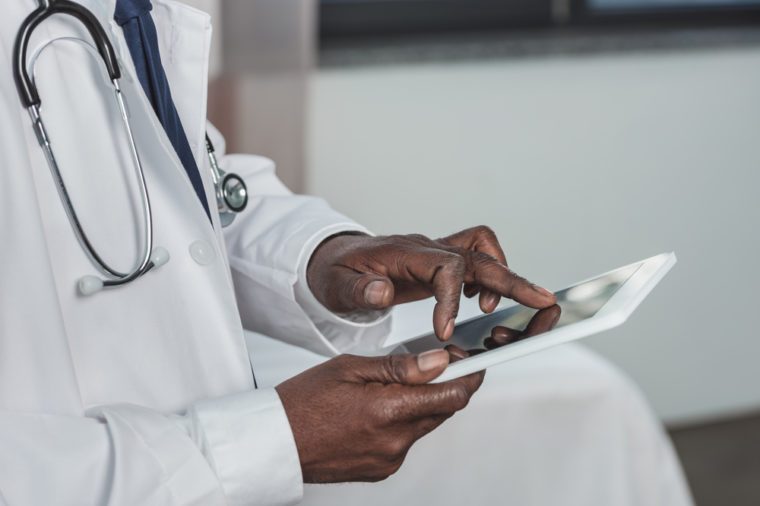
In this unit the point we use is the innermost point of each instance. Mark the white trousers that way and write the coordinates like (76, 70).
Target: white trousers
(559, 427)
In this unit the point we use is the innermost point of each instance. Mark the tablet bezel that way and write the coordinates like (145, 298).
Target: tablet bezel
(616, 311)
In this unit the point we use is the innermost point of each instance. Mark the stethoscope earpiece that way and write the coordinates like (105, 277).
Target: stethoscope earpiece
(90, 285)
(231, 191)
(159, 257)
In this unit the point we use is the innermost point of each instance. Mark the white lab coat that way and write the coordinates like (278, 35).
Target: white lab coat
(144, 394)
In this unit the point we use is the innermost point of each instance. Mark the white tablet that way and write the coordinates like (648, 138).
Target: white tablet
(586, 308)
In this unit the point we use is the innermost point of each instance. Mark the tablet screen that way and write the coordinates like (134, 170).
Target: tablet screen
(574, 304)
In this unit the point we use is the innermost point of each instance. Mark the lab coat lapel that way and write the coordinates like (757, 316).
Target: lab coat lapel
(184, 37)
(183, 314)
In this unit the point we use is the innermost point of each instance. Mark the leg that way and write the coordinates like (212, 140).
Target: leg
(558, 427)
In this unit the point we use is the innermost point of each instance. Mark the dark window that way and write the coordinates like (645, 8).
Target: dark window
(371, 18)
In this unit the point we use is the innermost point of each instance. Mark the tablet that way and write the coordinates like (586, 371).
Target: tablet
(583, 309)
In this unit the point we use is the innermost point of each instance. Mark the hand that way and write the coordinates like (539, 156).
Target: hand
(355, 418)
(356, 272)
(543, 321)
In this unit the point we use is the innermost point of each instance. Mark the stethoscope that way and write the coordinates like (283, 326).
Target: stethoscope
(230, 189)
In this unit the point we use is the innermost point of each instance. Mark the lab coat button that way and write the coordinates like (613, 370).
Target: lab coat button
(202, 252)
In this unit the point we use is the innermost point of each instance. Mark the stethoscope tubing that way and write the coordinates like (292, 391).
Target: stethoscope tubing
(231, 191)
(26, 87)
(114, 276)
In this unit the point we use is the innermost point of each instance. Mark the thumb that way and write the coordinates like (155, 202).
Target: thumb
(407, 369)
(365, 291)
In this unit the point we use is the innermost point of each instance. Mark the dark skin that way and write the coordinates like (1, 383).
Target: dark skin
(543, 321)
(355, 418)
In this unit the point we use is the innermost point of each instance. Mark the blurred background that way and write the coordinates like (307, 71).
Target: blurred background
(587, 133)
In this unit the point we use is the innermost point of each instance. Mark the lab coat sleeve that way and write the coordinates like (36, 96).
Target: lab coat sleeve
(235, 450)
(269, 247)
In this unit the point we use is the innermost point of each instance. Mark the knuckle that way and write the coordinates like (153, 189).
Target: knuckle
(454, 263)
(396, 449)
(407, 239)
(353, 289)
(418, 238)
(384, 471)
(393, 239)
(395, 367)
(349, 365)
(481, 259)
(474, 382)
(479, 379)
(377, 477)
(395, 466)
(460, 396)
(380, 414)
(485, 232)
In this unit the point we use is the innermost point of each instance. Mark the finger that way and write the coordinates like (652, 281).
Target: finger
(543, 321)
(491, 344)
(410, 291)
(481, 239)
(500, 279)
(489, 301)
(456, 353)
(447, 289)
(403, 369)
(355, 290)
(475, 380)
(471, 290)
(501, 332)
(504, 335)
(440, 272)
(441, 399)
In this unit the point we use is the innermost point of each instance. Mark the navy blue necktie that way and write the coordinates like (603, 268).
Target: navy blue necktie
(140, 32)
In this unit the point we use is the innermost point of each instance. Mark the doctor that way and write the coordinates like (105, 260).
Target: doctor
(143, 393)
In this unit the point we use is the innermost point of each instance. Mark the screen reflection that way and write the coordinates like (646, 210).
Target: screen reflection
(516, 323)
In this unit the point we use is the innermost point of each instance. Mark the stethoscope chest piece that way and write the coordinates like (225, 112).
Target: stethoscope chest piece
(231, 190)
(235, 192)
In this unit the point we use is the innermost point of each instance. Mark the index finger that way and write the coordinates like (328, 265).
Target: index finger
(440, 399)
(543, 321)
(501, 279)
(482, 240)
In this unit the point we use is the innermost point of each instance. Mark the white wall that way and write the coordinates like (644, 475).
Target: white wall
(580, 165)
(258, 100)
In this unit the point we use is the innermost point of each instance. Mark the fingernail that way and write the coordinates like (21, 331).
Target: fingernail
(433, 359)
(543, 291)
(374, 293)
(500, 331)
(493, 300)
(449, 329)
